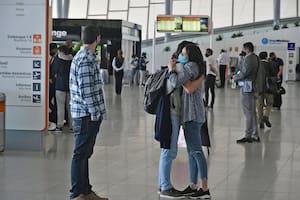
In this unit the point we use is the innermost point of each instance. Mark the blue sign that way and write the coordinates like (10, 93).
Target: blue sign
(291, 46)
(265, 41)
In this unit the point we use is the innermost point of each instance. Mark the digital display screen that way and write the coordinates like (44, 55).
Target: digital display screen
(174, 23)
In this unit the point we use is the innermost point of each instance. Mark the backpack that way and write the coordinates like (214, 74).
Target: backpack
(154, 88)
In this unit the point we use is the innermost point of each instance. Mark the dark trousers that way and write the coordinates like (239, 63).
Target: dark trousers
(210, 83)
(119, 78)
(85, 132)
(222, 71)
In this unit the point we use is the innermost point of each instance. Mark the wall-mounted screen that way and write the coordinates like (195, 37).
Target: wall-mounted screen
(185, 23)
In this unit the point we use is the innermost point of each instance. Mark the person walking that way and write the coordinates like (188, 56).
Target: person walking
(265, 71)
(118, 66)
(193, 117)
(143, 67)
(88, 110)
(246, 78)
(210, 82)
(222, 60)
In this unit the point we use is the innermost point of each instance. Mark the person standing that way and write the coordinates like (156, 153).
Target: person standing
(167, 155)
(88, 110)
(193, 117)
(52, 80)
(222, 62)
(265, 71)
(210, 82)
(134, 67)
(118, 66)
(246, 78)
(278, 66)
(62, 65)
(142, 67)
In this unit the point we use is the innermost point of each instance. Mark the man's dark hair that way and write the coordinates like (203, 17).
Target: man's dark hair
(263, 55)
(183, 44)
(272, 54)
(90, 34)
(64, 49)
(223, 50)
(249, 45)
(210, 51)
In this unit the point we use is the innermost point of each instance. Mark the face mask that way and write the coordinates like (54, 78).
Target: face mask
(182, 59)
(206, 54)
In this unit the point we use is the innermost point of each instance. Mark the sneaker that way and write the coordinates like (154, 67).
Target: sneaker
(200, 194)
(158, 191)
(80, 197)
(255, 139)
(51, 126)
(58, 129)
(267, 122)
(244, 140)
(188, 191)
(171, 193)
(94, 196)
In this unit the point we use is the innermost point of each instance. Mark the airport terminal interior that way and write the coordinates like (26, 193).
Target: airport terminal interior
(35, 164)
(125, 161)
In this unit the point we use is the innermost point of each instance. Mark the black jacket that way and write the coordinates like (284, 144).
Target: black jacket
(61, 68)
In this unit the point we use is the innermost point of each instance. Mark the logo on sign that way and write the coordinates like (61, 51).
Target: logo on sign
(265, 41)
(291, 46)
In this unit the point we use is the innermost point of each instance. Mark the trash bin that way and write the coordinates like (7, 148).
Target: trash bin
(2, 122)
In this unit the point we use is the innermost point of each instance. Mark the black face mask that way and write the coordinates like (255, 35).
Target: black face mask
(207, 55)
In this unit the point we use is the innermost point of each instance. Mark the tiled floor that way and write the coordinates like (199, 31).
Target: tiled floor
(36, 166)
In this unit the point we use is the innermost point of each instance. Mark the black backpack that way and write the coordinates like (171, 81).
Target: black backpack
(154, 88)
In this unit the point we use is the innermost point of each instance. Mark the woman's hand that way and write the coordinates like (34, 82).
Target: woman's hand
(172, 64)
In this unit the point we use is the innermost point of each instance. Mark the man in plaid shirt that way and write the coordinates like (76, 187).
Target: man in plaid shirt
(87, 110)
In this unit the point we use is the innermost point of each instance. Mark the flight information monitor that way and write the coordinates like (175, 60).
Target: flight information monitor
(184, 23)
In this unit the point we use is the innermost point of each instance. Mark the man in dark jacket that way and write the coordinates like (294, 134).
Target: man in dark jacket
(265, 70)
(247, 75)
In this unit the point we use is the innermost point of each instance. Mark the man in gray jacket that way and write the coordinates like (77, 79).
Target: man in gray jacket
(247, 75)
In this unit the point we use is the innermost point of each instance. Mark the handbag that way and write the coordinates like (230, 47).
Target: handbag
(271, 85)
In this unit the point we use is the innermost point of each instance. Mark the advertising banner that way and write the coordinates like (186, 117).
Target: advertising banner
(23, 65)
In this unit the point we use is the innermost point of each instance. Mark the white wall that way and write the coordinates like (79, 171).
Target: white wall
(235, 44)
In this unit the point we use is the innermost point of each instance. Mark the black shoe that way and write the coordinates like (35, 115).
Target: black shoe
(158, 191)
(261, 125)
(211, 106)
(255, 139)
(200, 194)
(267, 122)
(171, 193)
(188, 191)
(244, 140)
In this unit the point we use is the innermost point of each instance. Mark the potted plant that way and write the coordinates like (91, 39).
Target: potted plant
(240, 34)
(167, 48)
(233, 35)
(284, 26)
(219, 38)
(276, 27)
(296, 23)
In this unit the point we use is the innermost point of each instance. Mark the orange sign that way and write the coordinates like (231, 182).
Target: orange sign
(37, 50)
(37, 38)
(2, 106)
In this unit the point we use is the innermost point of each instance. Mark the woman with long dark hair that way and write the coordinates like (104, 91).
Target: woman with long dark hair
(193, 117)
(118, 65)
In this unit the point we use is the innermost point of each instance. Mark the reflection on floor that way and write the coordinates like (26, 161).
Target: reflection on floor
(125, 161)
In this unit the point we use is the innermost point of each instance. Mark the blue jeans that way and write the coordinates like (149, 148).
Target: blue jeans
(167, 156)
(197, 160)
(85, 136)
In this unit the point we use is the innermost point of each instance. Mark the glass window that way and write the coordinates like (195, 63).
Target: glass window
(201, 7)
(135, 3)
(155, 9)
(222, 13)
(181, 7)
(98, 7)
(288, 8)
(243, 12)
(139, 16)
(118, 5)
(117, 15)
(263, 10)
(78, 9)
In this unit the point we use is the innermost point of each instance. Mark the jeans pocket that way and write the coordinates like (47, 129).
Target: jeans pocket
(77, 125)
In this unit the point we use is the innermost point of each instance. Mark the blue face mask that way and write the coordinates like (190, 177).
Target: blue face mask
(182, 59)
